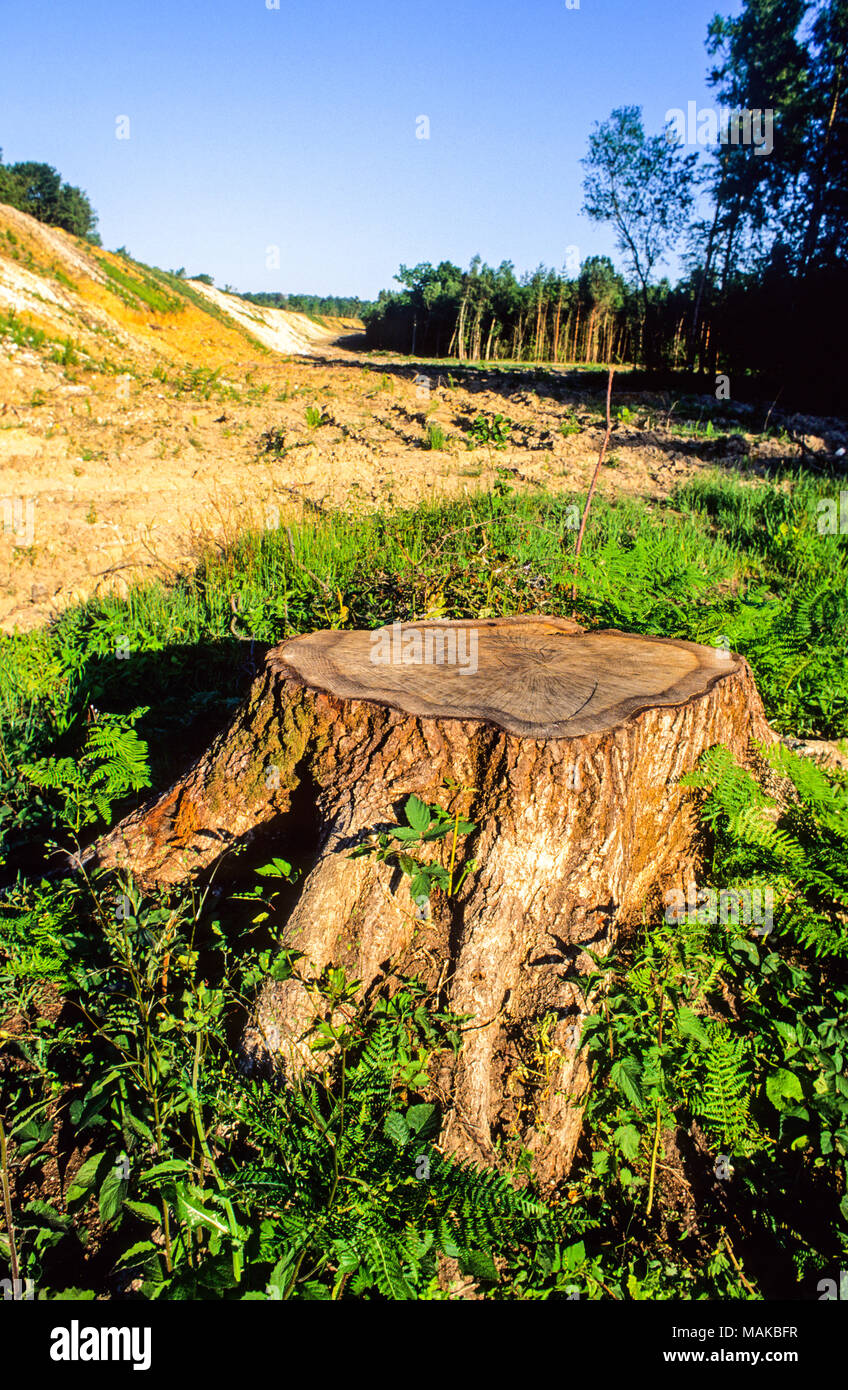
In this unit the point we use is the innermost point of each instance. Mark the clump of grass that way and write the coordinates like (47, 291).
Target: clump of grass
(197, 381)
(436, 437)
(316, 417)
(66, 354)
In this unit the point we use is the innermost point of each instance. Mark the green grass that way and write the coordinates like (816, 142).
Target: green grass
(435, 437)
(140, 289)
(24, 335)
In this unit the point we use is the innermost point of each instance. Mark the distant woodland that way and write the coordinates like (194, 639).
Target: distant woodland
(761, 229)
(338, 305)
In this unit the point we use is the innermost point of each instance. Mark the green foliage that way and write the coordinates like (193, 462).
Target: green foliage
(21, 333)
(424, 825)
(214, 1185)
(494, 430)
(37, 189)
(140, 289)
(763, 239)
(642, 185)
(112, 762)
(723, 1103)
(435, 437)
(798, 849)
(334, 305)
(197, 381)
(709, 1023)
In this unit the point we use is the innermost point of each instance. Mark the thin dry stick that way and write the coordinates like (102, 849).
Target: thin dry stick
(584, 518)
(7, 1210)
(736, 1265)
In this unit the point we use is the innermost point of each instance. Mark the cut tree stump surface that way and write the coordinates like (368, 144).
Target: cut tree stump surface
(573, 743)
(535, 678)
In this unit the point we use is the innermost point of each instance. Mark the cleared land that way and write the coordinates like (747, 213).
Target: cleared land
(142, 417)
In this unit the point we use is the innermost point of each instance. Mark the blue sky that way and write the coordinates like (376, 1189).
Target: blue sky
(295, 127)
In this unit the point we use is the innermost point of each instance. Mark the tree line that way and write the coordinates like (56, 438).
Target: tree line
(759, 225)
(336, 305)
(488, 313)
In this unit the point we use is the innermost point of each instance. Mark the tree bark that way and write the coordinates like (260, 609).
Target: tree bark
(572, 744)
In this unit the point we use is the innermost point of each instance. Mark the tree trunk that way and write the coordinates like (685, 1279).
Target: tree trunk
(556, 328)
(564, 747)
(702, 284)
(489, 340)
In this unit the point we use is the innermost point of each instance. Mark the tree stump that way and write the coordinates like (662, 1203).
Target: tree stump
(575, 743)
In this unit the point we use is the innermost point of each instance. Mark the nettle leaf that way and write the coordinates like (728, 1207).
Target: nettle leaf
(84, 1178)
(786, 1031)
(140, 1127)
(170, 1165)
(625, 1075)
(423, 1120)
(112, 1192)
(280, 1275)
(419, 888)
(573, 1256)
(463, 827)
(139, 1253)
(627, 1138)
(783, 1086)
(56, 1220)
(396, 1128)
(145, 1210)
(437, 873)
(417, 814)
(282, 968)
(691, 1026)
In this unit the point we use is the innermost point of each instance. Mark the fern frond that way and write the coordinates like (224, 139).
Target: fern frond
(723, 1103)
